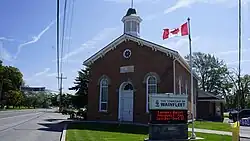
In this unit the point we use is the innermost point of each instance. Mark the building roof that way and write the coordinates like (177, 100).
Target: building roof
(32, 88)
(207, 96)
(141, 42)
(131, 11)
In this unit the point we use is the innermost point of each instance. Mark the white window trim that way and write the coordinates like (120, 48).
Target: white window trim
(100, 97)
(147, 91)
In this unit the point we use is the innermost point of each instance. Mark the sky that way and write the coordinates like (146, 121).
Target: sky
(28, 32)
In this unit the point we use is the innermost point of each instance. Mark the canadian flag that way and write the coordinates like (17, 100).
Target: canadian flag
(181, 31)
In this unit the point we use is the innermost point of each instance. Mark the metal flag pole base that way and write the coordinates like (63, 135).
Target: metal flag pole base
(193, 136)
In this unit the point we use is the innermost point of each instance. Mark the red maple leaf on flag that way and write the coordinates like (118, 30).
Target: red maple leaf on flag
(175, 31)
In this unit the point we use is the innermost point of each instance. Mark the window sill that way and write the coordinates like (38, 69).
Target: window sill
(103, 111)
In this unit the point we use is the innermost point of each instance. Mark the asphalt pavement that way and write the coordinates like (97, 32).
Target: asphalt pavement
(245, 130)
(31, 125)
(11, 113)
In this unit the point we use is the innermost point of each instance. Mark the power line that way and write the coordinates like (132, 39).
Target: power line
(63, 32)
(62, 44)
(70, 25)
(66, 28)
(60, 58)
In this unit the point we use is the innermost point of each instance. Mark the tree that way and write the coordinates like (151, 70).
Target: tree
(53, 99)
(81, 88)
(13, 98)
(11, 80)
(213, 73)
(66, 100)
(241, 90)
(81, 82)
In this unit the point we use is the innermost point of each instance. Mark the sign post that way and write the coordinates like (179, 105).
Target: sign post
(168, 117)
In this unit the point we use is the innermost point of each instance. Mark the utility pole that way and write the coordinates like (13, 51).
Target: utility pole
(60, 90)
(239, 49)
(57, 49)
(1, 84)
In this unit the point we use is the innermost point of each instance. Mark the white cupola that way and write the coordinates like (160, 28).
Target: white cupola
(132, 23)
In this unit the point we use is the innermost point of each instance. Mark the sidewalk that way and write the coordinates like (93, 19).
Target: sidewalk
(242, 135)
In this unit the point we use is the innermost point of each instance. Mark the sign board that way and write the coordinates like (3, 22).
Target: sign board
(168, 132)
(168, 101)
(126, 69)
(168, 117)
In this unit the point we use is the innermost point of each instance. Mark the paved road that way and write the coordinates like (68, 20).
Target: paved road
(12, 113)
(245, 131)
(31, 125)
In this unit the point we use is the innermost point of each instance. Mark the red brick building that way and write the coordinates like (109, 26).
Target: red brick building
(128, 69)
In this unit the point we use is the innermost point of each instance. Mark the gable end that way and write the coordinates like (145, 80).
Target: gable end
(142, 43)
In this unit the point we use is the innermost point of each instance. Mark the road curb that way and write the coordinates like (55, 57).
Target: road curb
(244, 137)
(63, 135)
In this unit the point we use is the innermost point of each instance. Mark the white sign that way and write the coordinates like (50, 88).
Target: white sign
(126, 69)
(168, 102)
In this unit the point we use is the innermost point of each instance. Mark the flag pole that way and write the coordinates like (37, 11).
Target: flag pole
(193, 136)
(239, 78)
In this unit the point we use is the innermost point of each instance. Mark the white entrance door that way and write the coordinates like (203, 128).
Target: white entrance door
(126, 113)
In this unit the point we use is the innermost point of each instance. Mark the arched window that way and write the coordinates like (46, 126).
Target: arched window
(103, 102)
(151, 88)
(128, 87)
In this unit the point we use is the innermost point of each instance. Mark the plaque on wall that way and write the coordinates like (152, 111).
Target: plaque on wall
(126, 69)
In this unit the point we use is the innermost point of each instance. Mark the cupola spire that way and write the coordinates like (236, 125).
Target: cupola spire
(132, 22)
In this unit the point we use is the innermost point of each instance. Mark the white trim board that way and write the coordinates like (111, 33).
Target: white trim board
(141, 42)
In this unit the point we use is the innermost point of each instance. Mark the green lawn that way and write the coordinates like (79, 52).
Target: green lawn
(211, 125)
(114, 132)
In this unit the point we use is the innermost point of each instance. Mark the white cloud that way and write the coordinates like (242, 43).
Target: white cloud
(52, 74)
(188, 3)
(151, 16)
(232, 52)
(129, 1)
(34, 39)
(6, 39)
(179, 43)
(236, 62)
(101, 36)
(46, 70)
(4, 54)
(248, 39)
(180, 4)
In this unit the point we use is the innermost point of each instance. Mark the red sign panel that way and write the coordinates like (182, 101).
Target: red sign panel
(168, 116)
